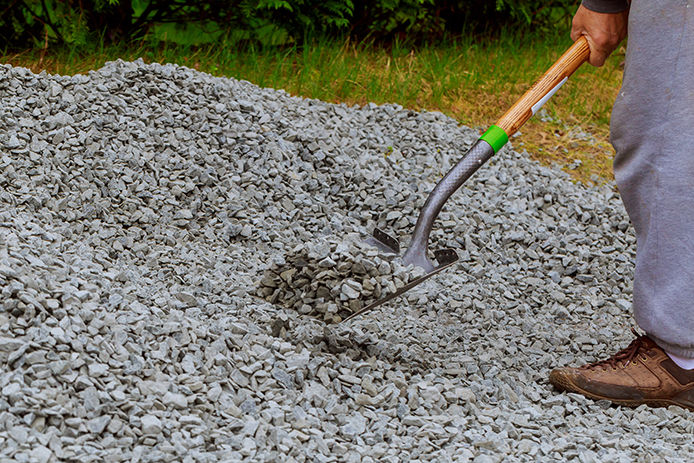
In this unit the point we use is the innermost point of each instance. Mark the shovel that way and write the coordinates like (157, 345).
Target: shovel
(488, 144)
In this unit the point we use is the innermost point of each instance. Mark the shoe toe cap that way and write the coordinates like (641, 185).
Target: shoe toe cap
(594, 385)
(564, 379)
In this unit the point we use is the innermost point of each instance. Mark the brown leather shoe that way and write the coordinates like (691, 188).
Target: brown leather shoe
(640, 374)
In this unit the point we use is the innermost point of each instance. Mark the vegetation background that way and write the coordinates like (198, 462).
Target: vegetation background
(267, 22)
(467, 58)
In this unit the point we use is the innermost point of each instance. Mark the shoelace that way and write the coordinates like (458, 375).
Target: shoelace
(622, 358)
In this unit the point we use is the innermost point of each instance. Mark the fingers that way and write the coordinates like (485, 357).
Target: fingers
(604, 32)
(598, 55)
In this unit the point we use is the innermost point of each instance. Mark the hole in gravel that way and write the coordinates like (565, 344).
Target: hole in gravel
(357, 345)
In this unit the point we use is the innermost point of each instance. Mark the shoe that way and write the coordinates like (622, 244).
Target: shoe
(640, 374)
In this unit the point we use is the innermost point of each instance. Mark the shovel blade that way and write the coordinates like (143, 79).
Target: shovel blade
(444, 258)
(384, 242)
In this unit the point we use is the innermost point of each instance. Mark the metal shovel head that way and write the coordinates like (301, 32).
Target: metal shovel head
(444, 259)
(384, 242)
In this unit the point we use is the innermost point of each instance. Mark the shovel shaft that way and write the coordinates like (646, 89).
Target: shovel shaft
(535, 97)
(416, 253)
(488, 145)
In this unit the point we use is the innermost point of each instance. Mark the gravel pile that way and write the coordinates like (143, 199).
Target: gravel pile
(140, 209)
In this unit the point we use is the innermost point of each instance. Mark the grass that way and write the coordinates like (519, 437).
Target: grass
(474, 81)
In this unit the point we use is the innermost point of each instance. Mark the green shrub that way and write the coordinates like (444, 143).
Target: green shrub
(430, 19)
(27, 23)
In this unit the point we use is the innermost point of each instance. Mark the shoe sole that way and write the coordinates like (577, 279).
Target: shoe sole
(565, 384)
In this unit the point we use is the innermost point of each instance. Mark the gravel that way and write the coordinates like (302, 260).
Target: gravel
(145, 209)
(332, 278)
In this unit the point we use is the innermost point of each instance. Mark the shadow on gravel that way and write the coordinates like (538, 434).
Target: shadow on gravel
(366, 341)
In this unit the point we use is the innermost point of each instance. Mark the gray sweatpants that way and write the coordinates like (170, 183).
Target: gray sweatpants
(652, 131)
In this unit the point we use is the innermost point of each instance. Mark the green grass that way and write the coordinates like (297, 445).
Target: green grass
(472, 80)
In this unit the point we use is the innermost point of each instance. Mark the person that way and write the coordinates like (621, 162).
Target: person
(652, 131)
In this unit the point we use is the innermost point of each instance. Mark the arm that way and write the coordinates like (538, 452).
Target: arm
(604, 24)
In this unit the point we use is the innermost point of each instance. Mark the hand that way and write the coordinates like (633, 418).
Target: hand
(604, 32)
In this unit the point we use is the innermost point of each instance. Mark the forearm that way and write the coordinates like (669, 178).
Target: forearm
(606, 6)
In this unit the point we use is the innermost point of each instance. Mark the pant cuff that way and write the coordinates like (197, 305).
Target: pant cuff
(685, 352)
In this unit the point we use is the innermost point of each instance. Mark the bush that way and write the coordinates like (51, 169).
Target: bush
(430, 19)
(26, 23)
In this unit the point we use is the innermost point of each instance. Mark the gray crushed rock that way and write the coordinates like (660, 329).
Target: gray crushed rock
(332, 278)
(141, 206)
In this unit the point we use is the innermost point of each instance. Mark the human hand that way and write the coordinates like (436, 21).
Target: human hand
(604, 32)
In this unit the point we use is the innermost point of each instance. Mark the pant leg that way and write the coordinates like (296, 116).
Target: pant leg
(652, 131)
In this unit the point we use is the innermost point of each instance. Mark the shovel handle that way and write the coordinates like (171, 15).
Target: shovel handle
(490, 143)
(544, 88)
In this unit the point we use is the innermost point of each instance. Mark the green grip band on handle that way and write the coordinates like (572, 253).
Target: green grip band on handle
(496, 137)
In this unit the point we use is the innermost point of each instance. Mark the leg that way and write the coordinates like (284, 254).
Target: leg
(652, 132)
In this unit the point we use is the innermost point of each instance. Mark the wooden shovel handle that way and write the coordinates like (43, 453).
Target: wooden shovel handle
(556, 75)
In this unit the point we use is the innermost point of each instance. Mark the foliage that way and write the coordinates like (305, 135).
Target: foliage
(430, 19)
(389, 18)
(31, 23)
(279, 22)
